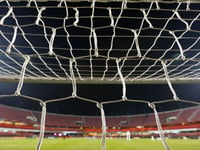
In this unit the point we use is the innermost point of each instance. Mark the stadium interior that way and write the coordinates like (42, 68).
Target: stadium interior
(181, 123)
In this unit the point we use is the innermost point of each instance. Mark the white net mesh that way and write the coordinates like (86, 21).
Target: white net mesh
(94, 42)
(94, 36)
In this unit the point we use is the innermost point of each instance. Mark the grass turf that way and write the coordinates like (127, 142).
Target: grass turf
(91, 144)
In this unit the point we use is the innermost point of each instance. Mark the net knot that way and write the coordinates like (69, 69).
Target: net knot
(95, 43)
(72, 60)
(118, 60)
(8, 50)
(124, 4)
(178, 43)
(27, 58)
(17, 93)
(124, 98)
(99, 105)
(21, 80)
(111, 17)
(152, 105)
(93, 4)
(157, 5)
(74, 95)
(76, 16)
(73, 78)
(51, 52)
(146, 18)
(188, 5)
(43, 104)
(8, 14)
(29, 3)
(137, 43)
(168, 80)
(176, 98)
(60, 4)
(39, 15)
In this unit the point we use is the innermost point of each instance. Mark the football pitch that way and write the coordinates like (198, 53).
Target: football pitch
(94, 144)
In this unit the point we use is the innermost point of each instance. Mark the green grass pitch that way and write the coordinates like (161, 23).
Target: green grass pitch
(94, 144)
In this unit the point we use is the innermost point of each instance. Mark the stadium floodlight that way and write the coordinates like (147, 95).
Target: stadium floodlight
(100, 42)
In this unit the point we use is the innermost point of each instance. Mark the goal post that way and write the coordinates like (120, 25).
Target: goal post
(100, 42)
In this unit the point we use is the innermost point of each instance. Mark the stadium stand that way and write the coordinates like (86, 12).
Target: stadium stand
(16, 115)
(185, 115)
(30, 118)
(60, 120)
(169, 117)
(195, 116)
(136, 120)
(92, 121)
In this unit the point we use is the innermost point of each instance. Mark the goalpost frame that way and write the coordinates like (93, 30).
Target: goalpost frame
(106, 81)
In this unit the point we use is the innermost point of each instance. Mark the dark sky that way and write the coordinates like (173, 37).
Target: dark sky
(101, 93)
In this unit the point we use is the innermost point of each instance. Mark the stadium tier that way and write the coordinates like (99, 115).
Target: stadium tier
(16, 115)
(27, 117)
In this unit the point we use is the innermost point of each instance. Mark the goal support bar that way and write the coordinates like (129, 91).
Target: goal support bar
(106, 81)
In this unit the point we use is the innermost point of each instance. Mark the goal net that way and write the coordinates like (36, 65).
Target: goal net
(100, 42)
